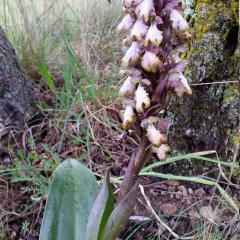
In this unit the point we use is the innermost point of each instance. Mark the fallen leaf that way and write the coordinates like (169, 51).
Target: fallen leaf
(168, 208)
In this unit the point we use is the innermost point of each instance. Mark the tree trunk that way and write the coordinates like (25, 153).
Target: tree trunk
(209, 118)
(16, 93)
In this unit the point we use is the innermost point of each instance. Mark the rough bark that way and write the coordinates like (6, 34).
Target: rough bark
(209, 119)
(16, 93)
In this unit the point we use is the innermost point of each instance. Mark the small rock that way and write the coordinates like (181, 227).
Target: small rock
(188, 201)
(163, 186)
(190, 191)
(174, 183)
(168, 208)
(199, 192)
(171, 189)
(7, 160)
(171, 196)
(207, 213)
(178, 195)
(183, 190)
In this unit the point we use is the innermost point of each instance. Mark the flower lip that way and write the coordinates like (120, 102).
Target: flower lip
(150, 62)
(142, 99)
(153, 36)
(126, 23)
(179, 83)
(129, 118)
(139, 30)
(145, 9)
(155, 137)
(178, 21)
(129, 86)
(162, 151)
(132, 55)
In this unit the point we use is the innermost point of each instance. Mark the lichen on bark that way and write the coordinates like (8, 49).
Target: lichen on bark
(209, 119)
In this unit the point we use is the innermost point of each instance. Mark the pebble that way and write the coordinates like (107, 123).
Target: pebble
(174, 183)
(199, 192)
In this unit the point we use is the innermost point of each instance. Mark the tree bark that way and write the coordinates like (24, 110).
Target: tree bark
(16, 92)
(209, 118)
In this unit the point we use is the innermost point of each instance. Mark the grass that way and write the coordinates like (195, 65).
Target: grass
(70, 51)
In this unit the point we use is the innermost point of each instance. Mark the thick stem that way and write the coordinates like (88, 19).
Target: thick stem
(137, 161)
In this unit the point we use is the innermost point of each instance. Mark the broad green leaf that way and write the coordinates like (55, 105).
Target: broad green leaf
(120, 215)
(100, 212)
(71, 196)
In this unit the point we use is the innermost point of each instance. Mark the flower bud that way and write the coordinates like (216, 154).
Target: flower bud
(150, 62)
(139, 30)
(162, 151)
(142, 99)
(144, 9)
(129, 118)
(126, 24)
(155, 137)
(132, 55)
(153, 36)
(129, 86)
(178, 22)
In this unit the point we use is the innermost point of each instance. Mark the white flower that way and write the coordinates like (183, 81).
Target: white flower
(126, 23)
(154, 35)
(129, 86)
(162, 151)
(129, 118)
(178, 21)
(150, 61)
(131, 3)
(139, 30)
(142, 99)
(155, 137)
(132, 55)
(144, 9)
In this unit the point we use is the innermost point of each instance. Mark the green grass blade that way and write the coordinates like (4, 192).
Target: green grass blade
(47, 77)
(188, 157)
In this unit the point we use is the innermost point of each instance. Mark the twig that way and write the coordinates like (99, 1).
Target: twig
(155, 214)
